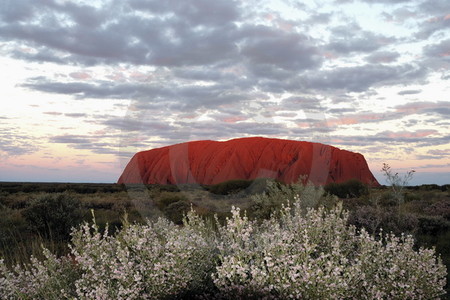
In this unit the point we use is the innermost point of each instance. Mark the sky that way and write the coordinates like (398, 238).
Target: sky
(86, 84)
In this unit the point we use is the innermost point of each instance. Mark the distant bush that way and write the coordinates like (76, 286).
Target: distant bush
(352, 188)
(433, 225)
(230, 187)
(374, 219)
(167, 198)
(429, 187)
(259, 186)
(176, 211)
(53, 215)
(277, 195)
(410, 196)
(163, 187)
(440, 208)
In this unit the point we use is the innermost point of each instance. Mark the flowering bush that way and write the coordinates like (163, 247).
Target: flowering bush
(313, 253)
(52, 278)
(151, 261)
(303, 252)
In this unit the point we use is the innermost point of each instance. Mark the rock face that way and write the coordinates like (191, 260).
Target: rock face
(211, 162)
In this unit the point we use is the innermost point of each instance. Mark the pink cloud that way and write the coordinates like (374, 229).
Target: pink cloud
(409, 134)
(433, 20)
(352, 119)
(412, 108)
(116, 76)
(139, 76)
(80, 75)
(329, 55)
(234, 119)
(447, 17)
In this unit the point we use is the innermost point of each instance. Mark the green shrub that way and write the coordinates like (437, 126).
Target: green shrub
(53, 215)
(409, 196)
(167, 198)
(352, 188)
(259, 186)
(176, 211)
(388, 199)
(230, 187)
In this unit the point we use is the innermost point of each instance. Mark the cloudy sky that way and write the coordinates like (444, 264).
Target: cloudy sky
(86, 84)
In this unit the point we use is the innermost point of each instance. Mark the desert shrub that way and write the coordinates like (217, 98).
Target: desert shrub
(53, 215)
(278, 194)
(11, 222)
(50, 278)
(387, 199)
(259, 186)
(433, 224)
(230, 187)
(409, 196)
(352, 188)
(429, 187)
(439, 208)
(353, 203)
(97, 202)
(157, 260)
(167, 198)
(397, 183)
(163, 187)
(374, 219)
(175, 211)
(316, 255)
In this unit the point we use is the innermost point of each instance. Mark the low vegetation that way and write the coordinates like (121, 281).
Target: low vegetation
(248, 239)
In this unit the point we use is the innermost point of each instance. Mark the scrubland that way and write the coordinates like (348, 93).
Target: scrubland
(238, 239)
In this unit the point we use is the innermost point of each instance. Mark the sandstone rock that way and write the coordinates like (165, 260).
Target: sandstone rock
(211, 162)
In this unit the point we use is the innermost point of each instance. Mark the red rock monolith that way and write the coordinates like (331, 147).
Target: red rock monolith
(211, 162)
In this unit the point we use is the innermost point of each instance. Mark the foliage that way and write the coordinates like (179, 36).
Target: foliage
(377, 219)
(53, 215)
(176, 211)
(314, 254)
(167, 198)
(230, 187)
(433, 224)
(277, 194)
(352, 188)
(303, 251)
(51, 278)
(396, 181)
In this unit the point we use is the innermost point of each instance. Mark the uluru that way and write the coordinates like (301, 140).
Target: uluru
(211, 162)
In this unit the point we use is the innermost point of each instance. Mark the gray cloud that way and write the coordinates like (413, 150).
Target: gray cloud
(440, 50)
(70, 139)
(14, 142)
(292, 52)
(351, 38)
(81, 34)
(76, 115)
(360, 78)
(382, 57)
(409, 92)
(52, 113)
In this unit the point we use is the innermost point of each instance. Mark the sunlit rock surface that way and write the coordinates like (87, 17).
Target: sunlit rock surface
(211, 162)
